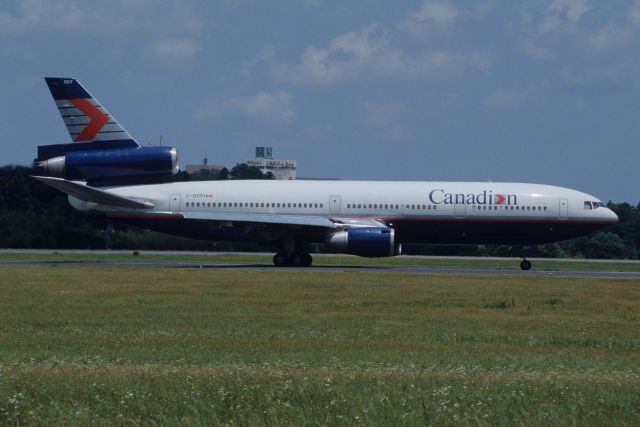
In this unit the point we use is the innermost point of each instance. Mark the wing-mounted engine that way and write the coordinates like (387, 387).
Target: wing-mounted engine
(114, 166)
(371, 242)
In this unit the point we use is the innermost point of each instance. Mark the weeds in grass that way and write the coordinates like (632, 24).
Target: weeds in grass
(202, 347)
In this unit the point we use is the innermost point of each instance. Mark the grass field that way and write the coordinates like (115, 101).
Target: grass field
(324, 260)
(200, 347)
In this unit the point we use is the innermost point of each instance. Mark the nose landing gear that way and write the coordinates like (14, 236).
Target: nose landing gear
(525, 264)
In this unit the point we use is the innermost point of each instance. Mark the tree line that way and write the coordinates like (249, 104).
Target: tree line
(33, 215)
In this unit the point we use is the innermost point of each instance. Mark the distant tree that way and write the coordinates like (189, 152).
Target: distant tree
(628, 227)
(602, 245)
(223, 174)
(551, 250)
(181, 176)
(244, 171)
(205, 175)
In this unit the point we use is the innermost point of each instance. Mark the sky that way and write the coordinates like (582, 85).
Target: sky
(543, 91)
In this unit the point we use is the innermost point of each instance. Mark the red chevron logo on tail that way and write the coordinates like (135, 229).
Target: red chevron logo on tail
(98, 119)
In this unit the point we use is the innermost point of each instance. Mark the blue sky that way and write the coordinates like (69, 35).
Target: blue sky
(527, 91)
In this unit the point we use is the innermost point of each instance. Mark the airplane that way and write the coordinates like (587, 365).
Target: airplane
(107, 172)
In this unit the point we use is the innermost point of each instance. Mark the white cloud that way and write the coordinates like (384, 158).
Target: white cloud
(560, 30)
(572, 9)
(383, 115)
(611, 72)
(115, 18)
(561, 14)
(346, 56)
(634, 12)
(370, 52)
(139, 23)
(387, 120)
(535, 51)
(508, 98)
(174, 53)
(608, 38)
(274, 107)
(430, 15)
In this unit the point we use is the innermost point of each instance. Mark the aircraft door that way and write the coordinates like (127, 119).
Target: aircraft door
(174, 203)
(564, 209)
(335, 204)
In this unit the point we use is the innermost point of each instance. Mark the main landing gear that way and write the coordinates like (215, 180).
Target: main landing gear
(525, 264)
(292, 259)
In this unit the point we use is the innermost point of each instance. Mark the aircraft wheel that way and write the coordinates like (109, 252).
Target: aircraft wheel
(280, 259)
(296, 260)
(306, 260)
(525, 265)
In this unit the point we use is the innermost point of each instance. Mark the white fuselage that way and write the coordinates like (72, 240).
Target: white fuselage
(367, 199)
(420, 212)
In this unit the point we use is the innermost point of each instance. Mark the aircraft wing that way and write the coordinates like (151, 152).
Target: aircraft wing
(272, 219)
(91, 194)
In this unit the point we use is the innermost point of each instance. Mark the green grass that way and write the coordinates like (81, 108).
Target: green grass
(164, 346)
(323, 260)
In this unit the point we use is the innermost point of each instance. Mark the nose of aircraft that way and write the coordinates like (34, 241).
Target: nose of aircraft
(611, 215)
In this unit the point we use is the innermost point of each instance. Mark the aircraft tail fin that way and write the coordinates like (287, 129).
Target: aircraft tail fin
(85, 118)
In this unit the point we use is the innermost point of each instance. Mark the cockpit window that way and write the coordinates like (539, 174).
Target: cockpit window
(587, 206)
(602, 205)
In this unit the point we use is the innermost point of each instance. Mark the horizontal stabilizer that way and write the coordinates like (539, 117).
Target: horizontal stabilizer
(90, 194)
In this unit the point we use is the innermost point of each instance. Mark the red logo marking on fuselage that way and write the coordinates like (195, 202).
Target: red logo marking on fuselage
(98, 119)
(499, 199)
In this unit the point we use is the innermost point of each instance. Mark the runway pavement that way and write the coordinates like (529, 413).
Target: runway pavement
(337, 268)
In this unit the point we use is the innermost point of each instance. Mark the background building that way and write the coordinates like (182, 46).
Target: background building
(212, 169)
(281, 169)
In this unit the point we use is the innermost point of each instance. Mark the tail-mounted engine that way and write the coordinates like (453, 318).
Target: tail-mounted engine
(111, 166)
(372, 242)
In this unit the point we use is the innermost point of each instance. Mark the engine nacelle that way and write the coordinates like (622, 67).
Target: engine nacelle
(371, 242)
(114, 164)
